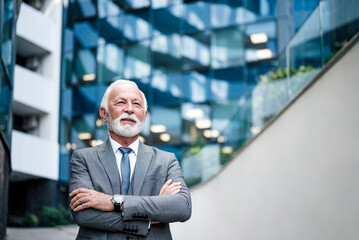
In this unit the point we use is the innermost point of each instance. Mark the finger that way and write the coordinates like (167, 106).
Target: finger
(77, 197)
(81, 201)
(77, 191)
(163, 188)
(81, 207)
(174, 189)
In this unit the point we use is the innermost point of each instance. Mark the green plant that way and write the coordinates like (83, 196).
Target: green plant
(282, 73)
(52, 216)
(29, 220)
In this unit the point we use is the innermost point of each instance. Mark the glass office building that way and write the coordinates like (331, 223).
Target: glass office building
(7, 33)
(196, 61)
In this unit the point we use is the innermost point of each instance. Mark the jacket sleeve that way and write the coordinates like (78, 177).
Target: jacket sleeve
(93, 218)
(166, 208)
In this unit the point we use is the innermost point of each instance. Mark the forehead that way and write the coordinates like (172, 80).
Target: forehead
(125, 91)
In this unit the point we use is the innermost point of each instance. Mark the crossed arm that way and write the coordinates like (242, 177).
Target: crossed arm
(94, 209)
(87, 198)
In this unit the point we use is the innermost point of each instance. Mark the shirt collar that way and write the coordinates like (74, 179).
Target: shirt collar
(115, 145)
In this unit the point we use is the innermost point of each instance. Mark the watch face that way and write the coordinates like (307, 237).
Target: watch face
(117, 198)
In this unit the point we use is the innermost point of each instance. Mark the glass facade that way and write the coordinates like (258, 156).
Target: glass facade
(203, 66)
(7, 36)
(6, 68)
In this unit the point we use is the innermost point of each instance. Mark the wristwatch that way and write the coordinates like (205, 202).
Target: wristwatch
(117, 201)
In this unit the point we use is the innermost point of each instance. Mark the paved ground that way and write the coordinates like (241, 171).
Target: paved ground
(57, 233)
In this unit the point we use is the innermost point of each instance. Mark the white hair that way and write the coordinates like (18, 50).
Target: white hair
(104, 102)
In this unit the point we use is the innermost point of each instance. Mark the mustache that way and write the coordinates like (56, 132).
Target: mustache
(132, 117)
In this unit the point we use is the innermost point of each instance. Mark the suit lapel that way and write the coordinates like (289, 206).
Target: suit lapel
(108, 160)
(144, 158)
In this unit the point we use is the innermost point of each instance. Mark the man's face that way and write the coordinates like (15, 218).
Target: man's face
(126, 112)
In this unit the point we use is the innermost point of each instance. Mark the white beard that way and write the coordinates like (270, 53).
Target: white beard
(124, 130)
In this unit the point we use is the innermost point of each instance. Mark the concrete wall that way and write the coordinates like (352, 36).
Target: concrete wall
(299, 179)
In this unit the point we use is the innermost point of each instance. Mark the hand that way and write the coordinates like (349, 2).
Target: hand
(86, 198)
(169, 188)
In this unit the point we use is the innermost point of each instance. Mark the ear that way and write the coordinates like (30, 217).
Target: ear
(103, 114)
(146, 113)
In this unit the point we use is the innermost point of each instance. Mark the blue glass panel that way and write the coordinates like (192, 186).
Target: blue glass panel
(166, 52)
(111, 28)
(68, 40)
(68, 75)
(196, 16)
(228, 84)
(66, 102)
(108, 8)
(137, 26)
(85, 34)
(164, 3)
(195, 51)
(260, 39)
(7, 44)
(227, 47)
(301, 10)
(195, 119)
(85, 99)
(167, 88)
(170, 119)
(5, 108)
(168, 20)
(64, 175)
(196, 86)
(85, 66)
(261, 8)
(110, 59)
(138, 60)
(227, 12)
(82, 131)
(80, 10)
(136, 4)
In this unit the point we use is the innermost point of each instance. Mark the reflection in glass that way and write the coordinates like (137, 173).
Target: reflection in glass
(168, 20)
(81, 9)
(228, 84)
(260, 39)
(227, 12)
(137, 26)
(108, 8)
(193, 115)
(138, 60)
(227, 47)
(7, 35)
(167, 88)
(166, 51)
(196, 16)
(111, 28)
(195, 51)
(82, 131)
(170, 119)
(5, 110)
(68, 75)
(85, 34)
(84, 99)
(110, 60)
(196, 86)
(85, 66)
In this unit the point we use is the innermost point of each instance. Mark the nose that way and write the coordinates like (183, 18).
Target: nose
(129, 108)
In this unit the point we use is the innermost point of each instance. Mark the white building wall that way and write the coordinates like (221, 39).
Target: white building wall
(298, 179)
(36, 92)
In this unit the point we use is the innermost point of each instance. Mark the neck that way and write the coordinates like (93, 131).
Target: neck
(124, 141)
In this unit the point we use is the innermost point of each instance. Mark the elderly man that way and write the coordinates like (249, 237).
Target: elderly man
(124, 189)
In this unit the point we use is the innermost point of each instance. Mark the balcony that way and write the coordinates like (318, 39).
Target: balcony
(29, 97)
(35, 158)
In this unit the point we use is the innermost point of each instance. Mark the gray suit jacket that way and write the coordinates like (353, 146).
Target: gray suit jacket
(96, 168)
